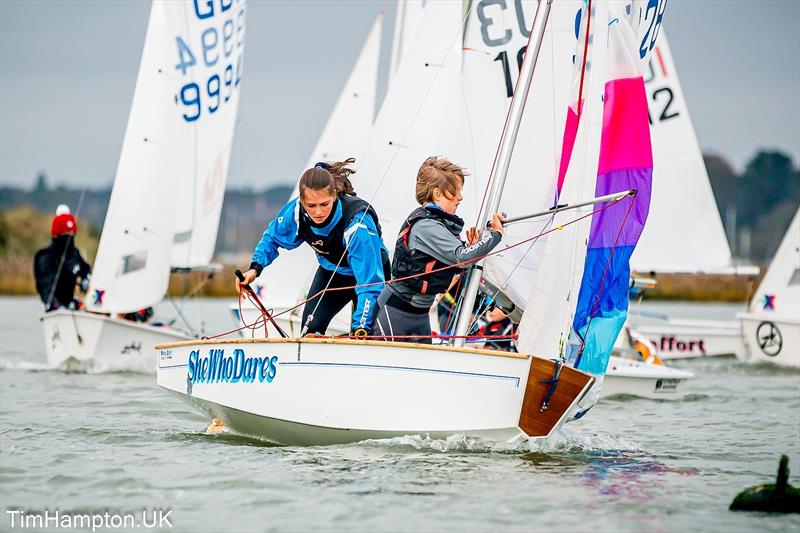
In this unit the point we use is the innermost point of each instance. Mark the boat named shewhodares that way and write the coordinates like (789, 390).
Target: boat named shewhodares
(330, 391)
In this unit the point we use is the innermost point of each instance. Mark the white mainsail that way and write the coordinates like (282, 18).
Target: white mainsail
(204, 146)
(173, 140)
(693, 241)
(348, 127)
(406, 21)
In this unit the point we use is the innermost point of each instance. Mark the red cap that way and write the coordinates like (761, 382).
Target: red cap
(62, 224)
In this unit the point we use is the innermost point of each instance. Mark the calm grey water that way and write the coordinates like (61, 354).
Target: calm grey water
(116, 442)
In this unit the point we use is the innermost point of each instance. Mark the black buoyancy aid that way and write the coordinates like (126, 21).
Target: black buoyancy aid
(408, 262)
(331, 246)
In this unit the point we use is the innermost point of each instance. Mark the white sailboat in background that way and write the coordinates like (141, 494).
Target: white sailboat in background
(772, 324)
(692, 242)
(168, 191)
(285, 282)
(312, 390)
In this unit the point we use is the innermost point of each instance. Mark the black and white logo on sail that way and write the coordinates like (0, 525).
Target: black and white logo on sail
(769, 339)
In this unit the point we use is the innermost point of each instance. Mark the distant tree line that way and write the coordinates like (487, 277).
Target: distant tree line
(757, 205)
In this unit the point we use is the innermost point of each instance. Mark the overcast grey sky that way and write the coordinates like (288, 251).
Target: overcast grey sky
(68, 69)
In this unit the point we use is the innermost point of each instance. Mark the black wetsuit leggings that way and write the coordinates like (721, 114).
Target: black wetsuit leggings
(331, 302)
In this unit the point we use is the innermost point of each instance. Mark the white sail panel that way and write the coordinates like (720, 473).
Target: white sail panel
(553, 293)
(345, 134)
(207, 74)
(495, 39)
(131, 270)
(422, 115)
(684, 232)
(406, 21)
(779, 291)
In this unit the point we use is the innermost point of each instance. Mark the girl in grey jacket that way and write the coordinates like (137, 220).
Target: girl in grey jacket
(429, 241)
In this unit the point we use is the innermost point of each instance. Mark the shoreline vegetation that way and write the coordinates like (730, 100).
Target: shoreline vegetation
(24, 229)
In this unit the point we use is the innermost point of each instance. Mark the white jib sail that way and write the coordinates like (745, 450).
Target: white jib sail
(207, 74)
(779, 291)
(495, 39)
(691, 240)
(345, 134)
(554, 287)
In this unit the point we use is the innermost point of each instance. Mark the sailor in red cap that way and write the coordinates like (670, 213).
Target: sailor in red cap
(59, 267)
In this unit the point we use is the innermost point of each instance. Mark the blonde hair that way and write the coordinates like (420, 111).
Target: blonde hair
(329, 175)
(439, 173)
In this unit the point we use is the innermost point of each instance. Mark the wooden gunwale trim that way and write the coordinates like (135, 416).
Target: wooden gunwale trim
(354, 342)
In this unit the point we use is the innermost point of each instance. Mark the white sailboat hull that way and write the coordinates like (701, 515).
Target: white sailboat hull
(331, 391)
(77, 340)
(689, 339)
(645, 380)
(771, 339)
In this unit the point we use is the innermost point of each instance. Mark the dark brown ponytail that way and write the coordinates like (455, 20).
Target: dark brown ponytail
(332, 176)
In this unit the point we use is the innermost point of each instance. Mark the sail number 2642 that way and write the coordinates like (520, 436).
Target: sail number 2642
(218, 54)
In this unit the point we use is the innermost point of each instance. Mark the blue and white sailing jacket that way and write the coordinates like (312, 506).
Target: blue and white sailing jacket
(360, 235)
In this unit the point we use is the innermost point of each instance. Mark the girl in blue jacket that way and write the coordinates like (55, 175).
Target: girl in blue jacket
(345, 234)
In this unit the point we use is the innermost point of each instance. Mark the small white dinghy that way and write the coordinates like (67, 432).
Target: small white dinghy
(635, 369)
(689, 338)
(772, 326)
(646, 380)
(89, 342)
(168, 190)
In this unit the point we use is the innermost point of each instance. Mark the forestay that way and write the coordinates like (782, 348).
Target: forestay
(554, 287)
(177, 145)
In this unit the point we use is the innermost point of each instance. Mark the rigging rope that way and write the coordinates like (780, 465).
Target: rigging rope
(459, 265)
